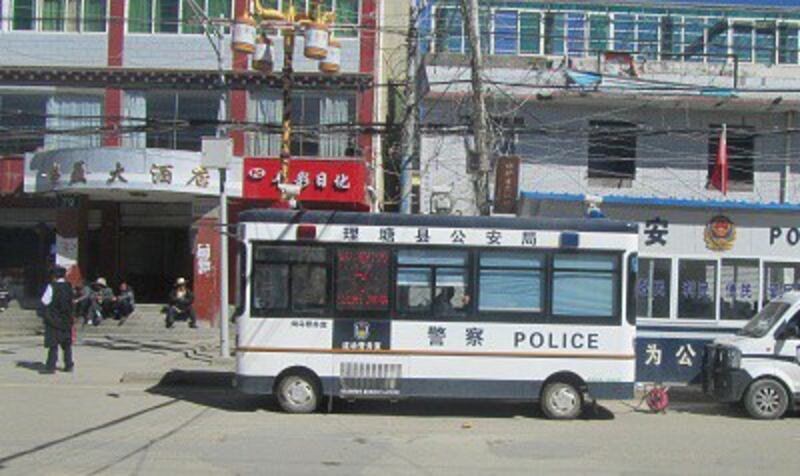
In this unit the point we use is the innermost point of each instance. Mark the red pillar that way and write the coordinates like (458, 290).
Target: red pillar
(116, 46)
(206, 254)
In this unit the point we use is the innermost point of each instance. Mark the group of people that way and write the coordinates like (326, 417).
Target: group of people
(96, 302)
(61, 303)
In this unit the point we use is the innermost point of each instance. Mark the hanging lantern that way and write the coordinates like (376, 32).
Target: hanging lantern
(244, 34)
(333, 61)
(264, 55)
(316, 37)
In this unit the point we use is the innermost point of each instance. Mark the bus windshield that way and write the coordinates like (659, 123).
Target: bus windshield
(762, 322)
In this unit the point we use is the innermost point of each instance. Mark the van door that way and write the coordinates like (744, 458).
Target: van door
(787, 348)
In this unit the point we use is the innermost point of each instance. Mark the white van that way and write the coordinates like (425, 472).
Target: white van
(760, 366)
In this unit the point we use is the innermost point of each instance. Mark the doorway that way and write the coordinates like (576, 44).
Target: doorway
(151, 259)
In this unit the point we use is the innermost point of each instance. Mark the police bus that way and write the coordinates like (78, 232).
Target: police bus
(354, 305)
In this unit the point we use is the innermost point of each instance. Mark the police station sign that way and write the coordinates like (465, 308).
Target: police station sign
(340, 182)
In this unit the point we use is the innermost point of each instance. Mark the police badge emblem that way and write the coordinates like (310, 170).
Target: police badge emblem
(720, 234)
(361, 331)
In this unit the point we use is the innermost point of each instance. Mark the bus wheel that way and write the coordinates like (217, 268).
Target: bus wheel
(766, 399)
(298, 393)
(561, 401)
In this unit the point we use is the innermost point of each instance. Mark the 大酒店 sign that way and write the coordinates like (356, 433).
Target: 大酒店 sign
(328, 182)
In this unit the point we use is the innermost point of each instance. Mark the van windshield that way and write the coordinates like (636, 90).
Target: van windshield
(762, 322)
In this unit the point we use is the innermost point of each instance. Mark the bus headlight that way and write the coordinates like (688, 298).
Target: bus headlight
(733, 358)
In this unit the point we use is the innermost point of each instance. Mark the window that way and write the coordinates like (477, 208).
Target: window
(598, 33)
(741, 151)
(693, 39)
(585, 285)
(787, 44)
(652, 288)
(612, 152)
(717, 33)
(505, 32)
(362, 279)
(432, 282)
(71, 118)
(26, 115)
(743, 42)
(697, 289)
(765, 43)
(60, 15)
(180, 120)
(172, 16)
(780, 278)
(215, 9)
(647, 40)
(671, 40)
(624, 31)
(740, 288)
(576, 34)
(530, 33)
(289, 279)
(554, 33)
(510, 282)
(448, 34)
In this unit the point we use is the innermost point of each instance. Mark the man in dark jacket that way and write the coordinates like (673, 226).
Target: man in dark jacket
(180, 304)
(58, 307)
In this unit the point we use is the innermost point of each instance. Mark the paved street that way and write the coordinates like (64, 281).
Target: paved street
(90, 423)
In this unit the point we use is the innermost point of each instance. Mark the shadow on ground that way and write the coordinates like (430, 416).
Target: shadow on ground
(31, 365)
(215, 389)
(156, 347)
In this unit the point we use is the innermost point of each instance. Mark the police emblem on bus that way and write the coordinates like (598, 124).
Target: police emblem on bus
(720, 234)
(361, 331)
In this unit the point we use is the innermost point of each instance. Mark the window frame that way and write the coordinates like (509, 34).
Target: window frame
(511, 315)
(616, 316)
(36, 21)
(668, 296)
(430, 314)
(181, 26)
(290, 311)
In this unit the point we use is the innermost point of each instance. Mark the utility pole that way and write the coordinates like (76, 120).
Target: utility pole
(469, 9)
(410, 120)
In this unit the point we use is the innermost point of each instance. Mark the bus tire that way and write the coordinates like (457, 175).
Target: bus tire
(298, 393)
(766, 399)
(561, 401)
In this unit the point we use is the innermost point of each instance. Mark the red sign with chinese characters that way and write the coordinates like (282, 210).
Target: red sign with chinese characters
(328, 182)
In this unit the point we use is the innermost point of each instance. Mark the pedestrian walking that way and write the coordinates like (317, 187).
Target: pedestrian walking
(58, 306)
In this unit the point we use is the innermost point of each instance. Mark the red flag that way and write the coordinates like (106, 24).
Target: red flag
(719, 177)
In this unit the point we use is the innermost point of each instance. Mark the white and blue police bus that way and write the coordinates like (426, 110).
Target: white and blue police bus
(354, 305)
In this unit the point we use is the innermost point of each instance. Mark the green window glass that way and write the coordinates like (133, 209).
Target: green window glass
(717, 32)
(23, 14)
(94, 15)
(743, 42)
(670, 38)
(765, 44)
(529, 33)
(166, 20)
(787, 44)
(190, 21)
(554, 33)
(347, 14)
(598, 33)
(140, 16)
(693, 39)
(52, 15)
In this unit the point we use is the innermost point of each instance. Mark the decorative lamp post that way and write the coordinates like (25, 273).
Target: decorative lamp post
(315, 26)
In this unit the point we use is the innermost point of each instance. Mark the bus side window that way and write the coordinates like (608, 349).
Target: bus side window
(432, 282)
(586, 285)
(289, 279)
(511, 281)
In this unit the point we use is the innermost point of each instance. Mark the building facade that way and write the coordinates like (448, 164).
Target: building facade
(103, 107)
(626, 101)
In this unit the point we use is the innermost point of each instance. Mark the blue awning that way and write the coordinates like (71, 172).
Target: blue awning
(666, 202)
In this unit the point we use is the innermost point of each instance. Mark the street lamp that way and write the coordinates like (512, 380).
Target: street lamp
(315, 25)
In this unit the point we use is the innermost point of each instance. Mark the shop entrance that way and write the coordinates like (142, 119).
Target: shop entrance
(151, 259)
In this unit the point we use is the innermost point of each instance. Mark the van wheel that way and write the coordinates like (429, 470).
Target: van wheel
(561, 401)
(766, 399)
(298, 393)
